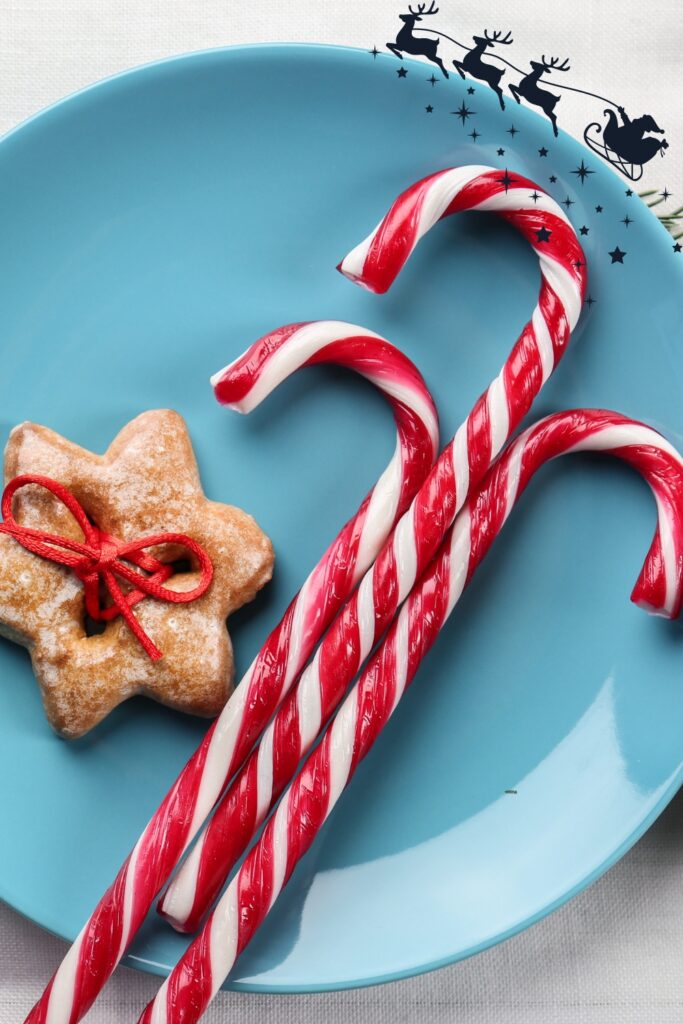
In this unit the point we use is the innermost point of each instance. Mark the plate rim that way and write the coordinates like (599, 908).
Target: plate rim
(151, 967)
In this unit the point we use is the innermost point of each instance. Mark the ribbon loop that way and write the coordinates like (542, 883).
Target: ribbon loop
(100, 558)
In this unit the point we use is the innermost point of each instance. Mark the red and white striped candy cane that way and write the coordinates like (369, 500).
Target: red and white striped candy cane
(306, 804)
(268, 362)
(461, 465)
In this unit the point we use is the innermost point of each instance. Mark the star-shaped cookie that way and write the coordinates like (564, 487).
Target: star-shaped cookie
(146, 483)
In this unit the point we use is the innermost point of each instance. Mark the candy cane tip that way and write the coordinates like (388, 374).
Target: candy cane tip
(224, 392)
(661, 612)
(355, 278)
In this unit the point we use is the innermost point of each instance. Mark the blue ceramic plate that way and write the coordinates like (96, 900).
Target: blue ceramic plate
(150, 228)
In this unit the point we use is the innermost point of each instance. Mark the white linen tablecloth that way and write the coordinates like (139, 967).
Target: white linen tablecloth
(613, 955)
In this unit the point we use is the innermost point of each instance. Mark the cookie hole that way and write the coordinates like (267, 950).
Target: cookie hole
(181, 565)
(93, 627)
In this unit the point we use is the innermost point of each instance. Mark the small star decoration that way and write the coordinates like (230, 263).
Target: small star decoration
(617, 255)
(543, 151)
(677, 247)
(582, 172)
(402, 72)
(429, 108)
(501, 151)
(474, 135)
(543, 235)
(512, 130)
(463, 112)
(506, 180)
(583, 230)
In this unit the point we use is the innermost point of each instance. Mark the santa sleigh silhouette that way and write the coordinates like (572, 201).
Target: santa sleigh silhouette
(625, 145)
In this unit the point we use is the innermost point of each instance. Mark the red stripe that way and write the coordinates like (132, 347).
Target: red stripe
(393, 240)
(242, 374)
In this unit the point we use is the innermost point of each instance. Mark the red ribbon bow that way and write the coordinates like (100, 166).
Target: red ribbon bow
(103, 557)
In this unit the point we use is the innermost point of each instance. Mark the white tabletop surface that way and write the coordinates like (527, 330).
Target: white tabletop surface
(613, 955)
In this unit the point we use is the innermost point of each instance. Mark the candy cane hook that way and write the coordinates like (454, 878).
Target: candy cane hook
(197, 977)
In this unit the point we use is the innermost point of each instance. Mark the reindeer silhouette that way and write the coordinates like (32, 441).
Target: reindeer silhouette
(529, 88)
(475, 66)
(418, 46)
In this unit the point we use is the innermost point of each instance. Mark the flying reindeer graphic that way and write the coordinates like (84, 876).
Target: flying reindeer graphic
(531, 91)
(627, 146)
(473, 65)
(417, 46)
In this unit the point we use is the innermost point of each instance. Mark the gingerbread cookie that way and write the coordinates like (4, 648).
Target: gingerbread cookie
(146, 483)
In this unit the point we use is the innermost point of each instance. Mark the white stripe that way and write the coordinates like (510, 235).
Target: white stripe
(461, 464)
(128, 896)
(499, 416)
(341, 748)
(159, 1006)
(353, 264)
(178, 899)
(620, 435)
(401, 648)
(514, 466)
(405, 553)
(64, 985)
(442, 192)
(301, 609)
(365, 610)
(308, 703)
(381, 513)
(223, 936)
(280, 846)
(289, 357)
(520, 199)
(459, 558)
(544, 343)
(264, 774)
(564, 286)
(411, 398)
(219, 755)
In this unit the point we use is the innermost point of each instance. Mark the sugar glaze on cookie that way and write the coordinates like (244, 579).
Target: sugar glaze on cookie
(147, 482)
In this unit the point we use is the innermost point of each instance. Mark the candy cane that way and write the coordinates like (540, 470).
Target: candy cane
(364, 619)
(306, 804)
(117, 917)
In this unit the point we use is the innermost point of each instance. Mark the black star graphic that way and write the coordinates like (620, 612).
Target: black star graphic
(543, 235)
(629, 192)
(578, 264)
(543, 151)
(501, 152)
(598, 209)
(402, 72)
(374, 51)
(583, 230)
(627, 220)
(677, 247)
(506, 180)
(582, 172)
(433, 80)
(567, 202)
(429, 108)
(552, 179)
(617, 255)
(463, 112)
(589, 301)
(534, 195)
(474, 135)
(471, 91)
(665, 194)
(512, 130)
